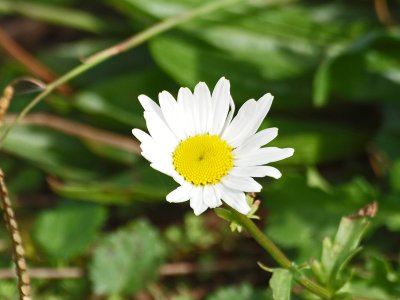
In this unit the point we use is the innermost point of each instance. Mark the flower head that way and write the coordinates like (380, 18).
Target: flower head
(212, 155)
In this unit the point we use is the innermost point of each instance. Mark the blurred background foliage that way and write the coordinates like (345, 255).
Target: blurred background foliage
(93, 214)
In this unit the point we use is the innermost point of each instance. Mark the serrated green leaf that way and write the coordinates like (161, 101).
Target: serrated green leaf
(68, 230)
(127, 260)
(281, 284)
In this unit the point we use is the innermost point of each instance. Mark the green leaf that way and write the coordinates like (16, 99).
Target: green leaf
(395, 176)
(349, 72)
(322, 83)
(248, 80)
(124, 188)
(127, 260)
(58, 15)
(54, 152)
(68, 230)
(243, 292)
(281, 284)
(109, 100)
(301, 216)
(336, 253)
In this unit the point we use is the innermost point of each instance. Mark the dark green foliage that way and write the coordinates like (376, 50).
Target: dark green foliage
(334, 70)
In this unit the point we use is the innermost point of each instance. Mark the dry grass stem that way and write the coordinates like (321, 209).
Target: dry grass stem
(5, 100)
(24, 285)
(14, 50)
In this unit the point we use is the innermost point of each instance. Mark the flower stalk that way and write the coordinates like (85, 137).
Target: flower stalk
(278, 255)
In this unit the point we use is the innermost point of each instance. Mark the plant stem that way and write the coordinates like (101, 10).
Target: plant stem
(123, 46)
(16, 241)
(278, 255)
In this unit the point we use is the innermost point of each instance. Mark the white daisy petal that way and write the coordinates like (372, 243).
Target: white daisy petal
(172, 114)
(210, 197)
(151, 150)
(202, 98)
(155, 156)
(264, 156)
(181, 194)
(256, 171)
(160, 131)
(163, 167)
(150, 105)
(185, 103)
(141, 135)
(248, 120)
(238, 128)
(245, 184)
(197, 202)
(221, 99)
(256, 141)
(230, 115)
(234, 199)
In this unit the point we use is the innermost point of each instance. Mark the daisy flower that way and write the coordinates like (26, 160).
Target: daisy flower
(210, 154)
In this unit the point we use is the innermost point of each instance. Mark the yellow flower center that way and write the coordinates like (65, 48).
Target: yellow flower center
(203, 159)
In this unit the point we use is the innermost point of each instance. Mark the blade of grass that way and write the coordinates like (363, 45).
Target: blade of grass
(56, 15)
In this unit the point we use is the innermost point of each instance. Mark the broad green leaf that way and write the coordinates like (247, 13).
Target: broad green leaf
(248, 80)
(349, 72)
(54, 152)
(127, 260)
(69, 229)
(281, 284)
(116, 99)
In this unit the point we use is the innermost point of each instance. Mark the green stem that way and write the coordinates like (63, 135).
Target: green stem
(278, 255)
(104, 55)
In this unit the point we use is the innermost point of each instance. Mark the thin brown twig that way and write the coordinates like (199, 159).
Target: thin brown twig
(79, 130)
(13, 49)
(383, 13)
(167, 270)
(24, 286)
